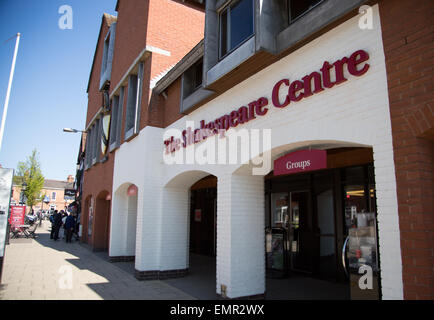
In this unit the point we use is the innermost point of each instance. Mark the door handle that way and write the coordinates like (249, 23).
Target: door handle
(344, 249)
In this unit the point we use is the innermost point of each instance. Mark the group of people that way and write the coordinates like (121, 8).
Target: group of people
(62, 219)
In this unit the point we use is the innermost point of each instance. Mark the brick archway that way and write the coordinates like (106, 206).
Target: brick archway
(101, 227)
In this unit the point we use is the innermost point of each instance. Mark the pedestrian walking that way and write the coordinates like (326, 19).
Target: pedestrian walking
(57, 223)
(62, 232)
(52, 225)
(69, 227)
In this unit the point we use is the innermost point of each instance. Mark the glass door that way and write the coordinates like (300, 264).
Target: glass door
(301, 236)
(277, 236)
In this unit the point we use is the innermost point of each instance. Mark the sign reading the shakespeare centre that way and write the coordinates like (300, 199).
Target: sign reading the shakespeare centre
(311, 84)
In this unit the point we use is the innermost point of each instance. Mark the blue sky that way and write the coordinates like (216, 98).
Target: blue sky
(51, 75)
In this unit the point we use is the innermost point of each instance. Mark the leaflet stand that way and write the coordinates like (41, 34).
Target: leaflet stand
(276, 253)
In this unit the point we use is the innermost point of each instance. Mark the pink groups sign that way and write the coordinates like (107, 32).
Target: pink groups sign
(300, 161)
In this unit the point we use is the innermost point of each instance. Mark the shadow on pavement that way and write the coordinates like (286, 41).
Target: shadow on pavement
(200, 283)
(108, 280)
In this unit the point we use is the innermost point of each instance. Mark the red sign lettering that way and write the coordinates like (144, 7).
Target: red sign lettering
(297, 90)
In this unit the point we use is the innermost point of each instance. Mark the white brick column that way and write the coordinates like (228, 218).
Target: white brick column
(147, 232)
(174, 229)
(240, 235)
(388, 224)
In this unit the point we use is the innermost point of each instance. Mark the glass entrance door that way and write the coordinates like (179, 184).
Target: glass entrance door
(301, 236)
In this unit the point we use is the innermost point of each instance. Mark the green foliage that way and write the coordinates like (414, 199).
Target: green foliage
(29, 172)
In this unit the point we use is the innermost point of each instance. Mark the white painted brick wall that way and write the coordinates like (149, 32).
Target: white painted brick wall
(240, 235)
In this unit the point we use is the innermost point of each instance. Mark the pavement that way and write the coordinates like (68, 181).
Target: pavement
(43, 269)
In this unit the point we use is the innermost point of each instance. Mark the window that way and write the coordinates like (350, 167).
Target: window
(198, 74)
(107, 58)
(299, 7)
(134, 102)
(105, 53)
(93, 144)
(236, 25)
(89, 146)
(98, 140)
(53, 196)
(192, 79)
(116, 119)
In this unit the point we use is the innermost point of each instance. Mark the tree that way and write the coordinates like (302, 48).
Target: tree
(29, 172)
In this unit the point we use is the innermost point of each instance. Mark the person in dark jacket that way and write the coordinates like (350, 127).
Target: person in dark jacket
(52, 225)
(57, 223)
(69, 227)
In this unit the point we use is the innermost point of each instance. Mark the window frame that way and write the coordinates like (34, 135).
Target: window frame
(105, 54)
(134, 101)
(291, 21)
(116, 120)
(227, 9)
(195, 78)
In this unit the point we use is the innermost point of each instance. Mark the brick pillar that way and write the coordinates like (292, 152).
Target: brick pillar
(147, 236)
(407, 31)
(174, 232)
(240, 235)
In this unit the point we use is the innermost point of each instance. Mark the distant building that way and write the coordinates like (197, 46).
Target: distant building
(59, 194)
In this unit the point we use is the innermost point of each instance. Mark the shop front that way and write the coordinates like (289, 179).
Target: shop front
(335, 221)
(322, 224)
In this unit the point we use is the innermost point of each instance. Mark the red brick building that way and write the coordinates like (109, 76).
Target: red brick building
(168, 71)
(146, 33)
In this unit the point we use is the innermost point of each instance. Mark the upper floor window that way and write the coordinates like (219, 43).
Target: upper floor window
(116, 119)
(105, 53)
(53, 196)
(236, 25)
(93, 144)
(107, 57)
(134, 98)
(192, 79)
(299, 7)
(96, 143)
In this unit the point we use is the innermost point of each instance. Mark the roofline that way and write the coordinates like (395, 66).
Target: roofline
(186, 62)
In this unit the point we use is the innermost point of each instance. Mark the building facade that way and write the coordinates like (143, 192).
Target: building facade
(58, 195)
(133, 51)
(290, 138)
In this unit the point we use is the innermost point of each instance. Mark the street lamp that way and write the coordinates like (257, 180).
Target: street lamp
(72, 130)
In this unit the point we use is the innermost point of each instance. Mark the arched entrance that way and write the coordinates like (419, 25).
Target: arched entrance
(124, 223)
(203, 217)
(188, 237)
(321, 225)
(102, 222)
